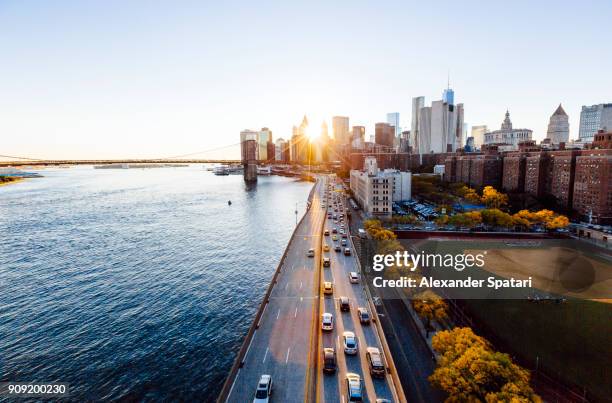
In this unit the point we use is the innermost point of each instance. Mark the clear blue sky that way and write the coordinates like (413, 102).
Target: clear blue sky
(113, 79)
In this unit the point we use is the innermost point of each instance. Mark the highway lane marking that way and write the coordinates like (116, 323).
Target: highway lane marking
(278, 314)
(233, 383)
(265, 355)
(287, 358)
(295, 314)
(301, 284)
(286, 285)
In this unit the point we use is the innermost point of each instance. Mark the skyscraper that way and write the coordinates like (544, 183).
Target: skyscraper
(394, 120)
(417, 104)
(384, 134)
(594, 118)
(558, 127)
(424, 130)
(340, 127)
(478, 133)
(263, 138)
(358, 137)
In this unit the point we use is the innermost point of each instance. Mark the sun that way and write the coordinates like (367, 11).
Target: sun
(311, 132)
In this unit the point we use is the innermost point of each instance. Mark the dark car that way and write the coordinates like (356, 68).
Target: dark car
(344, 304)
(329, 360)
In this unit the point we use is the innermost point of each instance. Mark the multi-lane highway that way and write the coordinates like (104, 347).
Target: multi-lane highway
(332, 387)
(288, 341)
(281, 345)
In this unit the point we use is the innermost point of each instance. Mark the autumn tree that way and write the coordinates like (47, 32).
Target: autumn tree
(429, 306)
(470, 370)
(492, 198)
(496, 217)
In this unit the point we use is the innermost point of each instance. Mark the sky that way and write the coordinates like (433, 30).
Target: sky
(154, 79)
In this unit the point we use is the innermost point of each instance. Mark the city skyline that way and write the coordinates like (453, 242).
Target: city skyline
(159, 81)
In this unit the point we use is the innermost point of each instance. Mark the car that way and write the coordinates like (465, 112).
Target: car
(353, 277)
(325, 248)
(383, 401)
(375, 361)
(327, 321)
(326, 232)
(264, 389)
(329, 360)
(347, 251)
(326, 262)
(329, 215)
(334, 230)
(353, 387)
(350, 343)
(345, 304)
(328, 288)
(338, 248)
(364, 315)
(334, 237)
(310, 252)
(344, 236)
(344, 243)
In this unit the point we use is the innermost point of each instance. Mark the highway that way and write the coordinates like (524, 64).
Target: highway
(332, 387)
(281, 345)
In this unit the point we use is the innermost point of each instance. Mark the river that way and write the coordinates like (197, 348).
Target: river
(136, 284)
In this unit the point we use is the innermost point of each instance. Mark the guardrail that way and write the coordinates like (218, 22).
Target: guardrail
(239, 362)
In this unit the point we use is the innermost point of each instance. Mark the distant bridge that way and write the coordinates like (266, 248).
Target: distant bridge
(104, 162)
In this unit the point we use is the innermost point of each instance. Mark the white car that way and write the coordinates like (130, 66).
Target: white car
(353, 387)
(264, 389)
(353, 277)
(350, 343)
(310, 252)
(327, 321)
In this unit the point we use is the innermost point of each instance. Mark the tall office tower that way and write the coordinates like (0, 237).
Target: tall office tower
(460, 128)
(263, 138)
(300, 143)
(448, 96)
(445, 127)
(594, 118)
(340, 127)
(424, 130)
(281, 150)
(384, 134)
(358, 137)
(417, 104)
(404, 144)
(394, 120)
(324, 142)
(558, 127)
(478, 133)
(248, 154)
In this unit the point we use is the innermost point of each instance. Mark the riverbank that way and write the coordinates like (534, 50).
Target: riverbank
(8, 180)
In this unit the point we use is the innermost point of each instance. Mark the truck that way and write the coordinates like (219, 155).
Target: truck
(362, 233)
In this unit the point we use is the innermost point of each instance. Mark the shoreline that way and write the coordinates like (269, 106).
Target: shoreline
(11, 182)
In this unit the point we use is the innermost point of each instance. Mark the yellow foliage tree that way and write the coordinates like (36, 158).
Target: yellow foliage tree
(492, 198)
(470, 370)
(430, 306)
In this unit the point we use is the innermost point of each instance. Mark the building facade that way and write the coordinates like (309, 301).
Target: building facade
(384, 134)
(558, 127)
(340, 127)
(375, 190)
(507, 135)
(478, 133)
(594, 118)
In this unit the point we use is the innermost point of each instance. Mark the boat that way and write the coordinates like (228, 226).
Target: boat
(266, 171)
(221, 170)
(229, 202)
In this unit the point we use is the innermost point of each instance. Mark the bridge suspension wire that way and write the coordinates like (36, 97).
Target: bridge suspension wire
(22, 158)
(163, 158)
(199, 152)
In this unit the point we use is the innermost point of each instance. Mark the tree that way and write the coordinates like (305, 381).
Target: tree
(470, 370)
(496, 217)
(471, 196)
(441, 220)
(430, 306)
(492, 198)
(557, 222)
(468, 219)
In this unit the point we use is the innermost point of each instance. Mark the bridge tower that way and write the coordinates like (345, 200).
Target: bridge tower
(248, 154)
